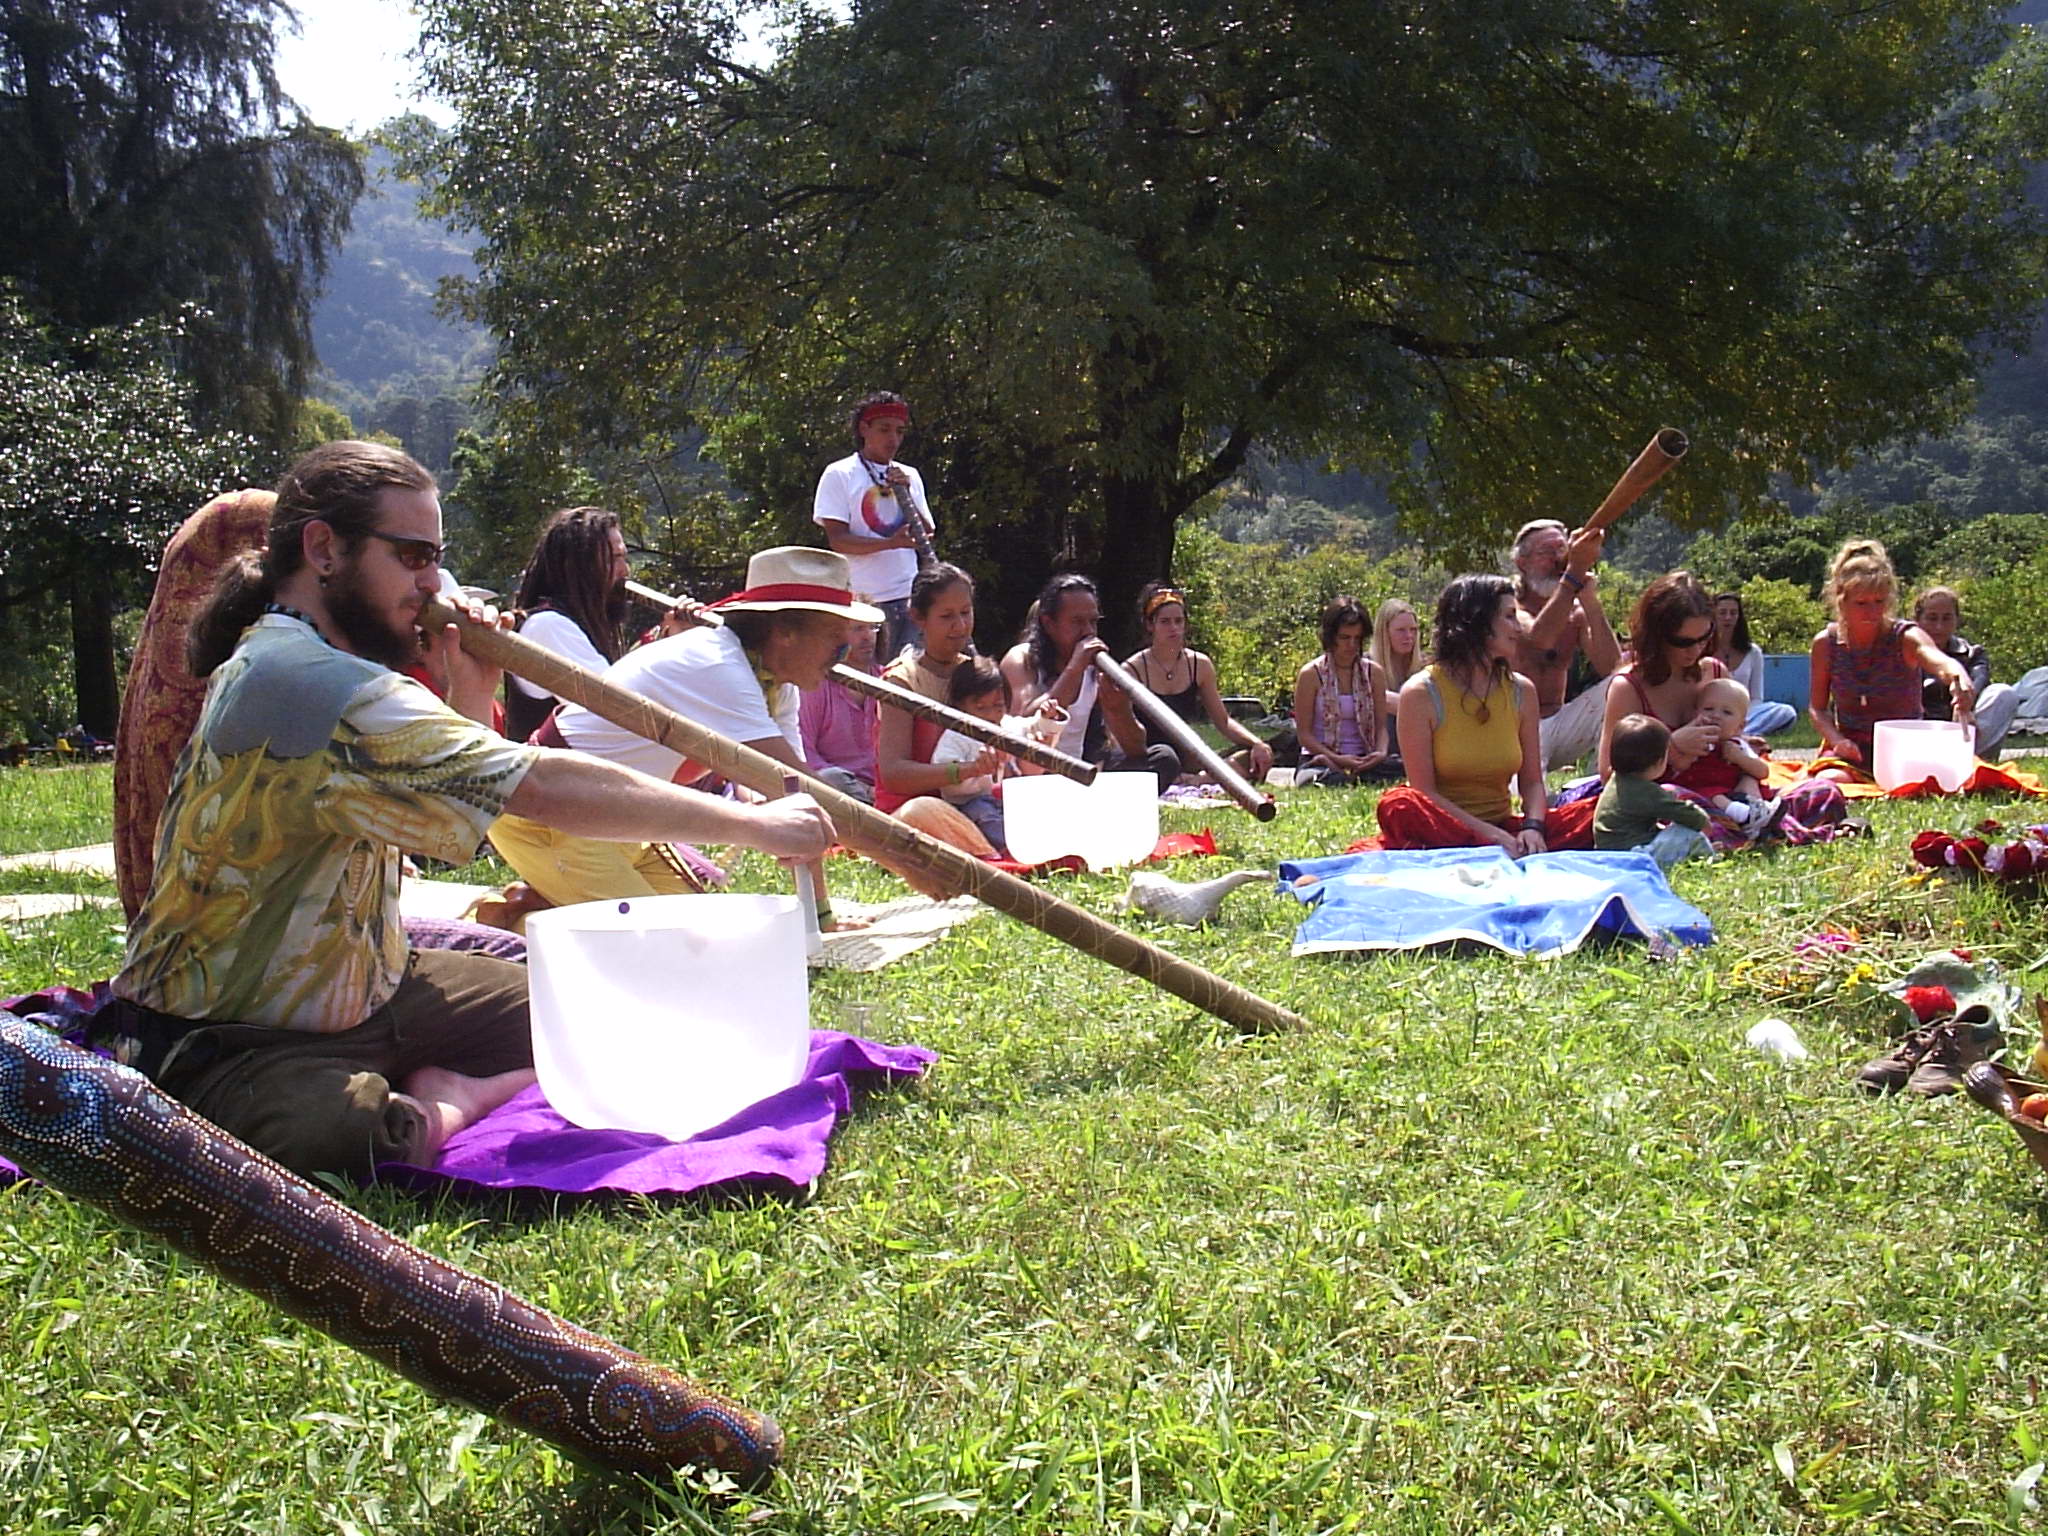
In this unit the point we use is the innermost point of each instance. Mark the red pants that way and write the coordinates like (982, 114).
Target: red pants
(1410, 819)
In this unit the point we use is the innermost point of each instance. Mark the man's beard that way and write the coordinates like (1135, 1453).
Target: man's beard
(1541, 586)
(366, 631)
(618, 608)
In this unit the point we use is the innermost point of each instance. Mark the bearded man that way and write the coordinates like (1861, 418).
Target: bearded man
(1557, 600)
(268, 984)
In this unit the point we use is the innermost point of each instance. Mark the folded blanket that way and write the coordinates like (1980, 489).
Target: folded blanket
(1985, 779)
(1544, 905)
(524, 1145)
(779, 1141)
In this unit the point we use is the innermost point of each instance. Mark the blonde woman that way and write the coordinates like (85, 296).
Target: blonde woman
(1866, 665)
(1397, 651)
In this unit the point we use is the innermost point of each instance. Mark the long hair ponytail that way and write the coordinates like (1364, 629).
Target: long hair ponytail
(337, 483)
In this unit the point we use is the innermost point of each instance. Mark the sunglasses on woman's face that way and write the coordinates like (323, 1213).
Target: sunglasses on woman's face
(1691, 642)
(413, 554)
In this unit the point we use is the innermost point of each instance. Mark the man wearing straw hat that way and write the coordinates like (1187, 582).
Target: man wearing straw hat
(268, 984)
(740, 679)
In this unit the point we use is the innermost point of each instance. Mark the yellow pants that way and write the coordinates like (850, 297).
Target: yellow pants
(569, 869)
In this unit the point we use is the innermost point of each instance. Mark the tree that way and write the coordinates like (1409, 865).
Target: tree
(100, 458)
(147, 170)
(146, 162)
(1483, 249)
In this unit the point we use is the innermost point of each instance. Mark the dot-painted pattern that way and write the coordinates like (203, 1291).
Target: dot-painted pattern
(106, 1135)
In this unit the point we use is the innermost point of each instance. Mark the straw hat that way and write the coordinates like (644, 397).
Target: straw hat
(797, 576)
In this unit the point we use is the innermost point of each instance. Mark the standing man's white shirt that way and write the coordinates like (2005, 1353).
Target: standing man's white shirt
(704, 676)
(850, 492)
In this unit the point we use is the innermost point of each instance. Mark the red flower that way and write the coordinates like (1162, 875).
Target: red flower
(1931, 849)
(1930, 1003)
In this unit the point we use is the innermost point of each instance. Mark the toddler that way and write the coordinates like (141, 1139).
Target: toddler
(976, 688)
(1635, 810)
(1729, 778)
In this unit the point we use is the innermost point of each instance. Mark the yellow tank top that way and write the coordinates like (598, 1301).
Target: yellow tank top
(1476, 759)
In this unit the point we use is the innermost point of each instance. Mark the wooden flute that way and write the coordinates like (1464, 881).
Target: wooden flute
(1650, 466)
(1192, 749)
(1023, 748)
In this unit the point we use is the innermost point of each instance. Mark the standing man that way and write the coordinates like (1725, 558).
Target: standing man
(268, 984)
(861, 505)
(1561, 616)
(1939, 611)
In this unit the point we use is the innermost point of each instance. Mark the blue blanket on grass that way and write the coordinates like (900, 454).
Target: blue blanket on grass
(1544, 905)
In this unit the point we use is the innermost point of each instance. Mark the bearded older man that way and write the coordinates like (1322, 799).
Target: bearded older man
(268, 984)
(1558, 603)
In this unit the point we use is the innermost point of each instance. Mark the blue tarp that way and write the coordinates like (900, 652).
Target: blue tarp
(1544, 905)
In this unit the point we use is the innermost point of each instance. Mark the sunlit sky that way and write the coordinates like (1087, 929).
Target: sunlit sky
(348, 66)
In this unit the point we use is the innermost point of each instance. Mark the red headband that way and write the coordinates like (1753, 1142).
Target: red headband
(789, 592)
(886, 411)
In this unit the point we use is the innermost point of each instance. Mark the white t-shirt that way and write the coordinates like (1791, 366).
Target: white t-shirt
(848, 494)
(561, 634)
(701, 674)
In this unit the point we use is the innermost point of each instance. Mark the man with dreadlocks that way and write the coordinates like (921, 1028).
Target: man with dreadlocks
(573, 596)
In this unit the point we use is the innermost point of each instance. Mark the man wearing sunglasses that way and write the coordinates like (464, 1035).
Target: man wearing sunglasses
(268, 984)
(1559, 605)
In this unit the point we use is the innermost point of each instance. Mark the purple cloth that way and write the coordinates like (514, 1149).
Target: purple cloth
(525, 1145)
(457, 933)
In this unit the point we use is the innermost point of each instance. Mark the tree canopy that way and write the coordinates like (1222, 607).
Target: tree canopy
(100, 459)
(149, 160)
(1481, 249)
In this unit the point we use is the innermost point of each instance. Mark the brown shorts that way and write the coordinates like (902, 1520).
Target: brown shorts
(326, 1103)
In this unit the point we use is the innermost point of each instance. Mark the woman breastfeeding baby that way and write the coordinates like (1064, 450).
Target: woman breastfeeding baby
(1673, 679)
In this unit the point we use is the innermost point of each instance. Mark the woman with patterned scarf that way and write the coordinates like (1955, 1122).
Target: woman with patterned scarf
(1340, 704)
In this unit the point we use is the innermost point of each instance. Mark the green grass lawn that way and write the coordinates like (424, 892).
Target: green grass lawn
(1495, 1246)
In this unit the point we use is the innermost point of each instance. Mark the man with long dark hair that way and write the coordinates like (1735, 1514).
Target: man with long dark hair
(572, 595)
(268, 983)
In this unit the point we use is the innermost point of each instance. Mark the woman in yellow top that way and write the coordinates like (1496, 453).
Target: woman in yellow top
(1468, 727)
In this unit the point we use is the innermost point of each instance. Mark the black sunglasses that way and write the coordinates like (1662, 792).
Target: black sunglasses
(1690, 642)
(413, 554)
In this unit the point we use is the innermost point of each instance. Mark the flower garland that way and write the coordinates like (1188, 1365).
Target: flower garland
(1987, 850)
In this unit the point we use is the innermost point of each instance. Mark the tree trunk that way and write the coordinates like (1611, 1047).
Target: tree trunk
(92, 646)
(1137, 543)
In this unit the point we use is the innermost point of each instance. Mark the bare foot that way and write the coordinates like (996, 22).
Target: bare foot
(451, 1101)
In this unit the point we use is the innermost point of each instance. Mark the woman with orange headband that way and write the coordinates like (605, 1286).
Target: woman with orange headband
(1185, 680)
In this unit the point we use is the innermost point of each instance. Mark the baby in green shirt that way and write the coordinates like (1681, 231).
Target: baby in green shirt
(1635, 811)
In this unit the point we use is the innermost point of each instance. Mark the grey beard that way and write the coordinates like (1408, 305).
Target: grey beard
(1544, 587)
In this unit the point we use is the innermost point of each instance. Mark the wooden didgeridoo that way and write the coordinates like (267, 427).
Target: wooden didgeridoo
(1192, 748)
(1023, 748)
(889, 842)
(1650, 466)
(693, 612)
